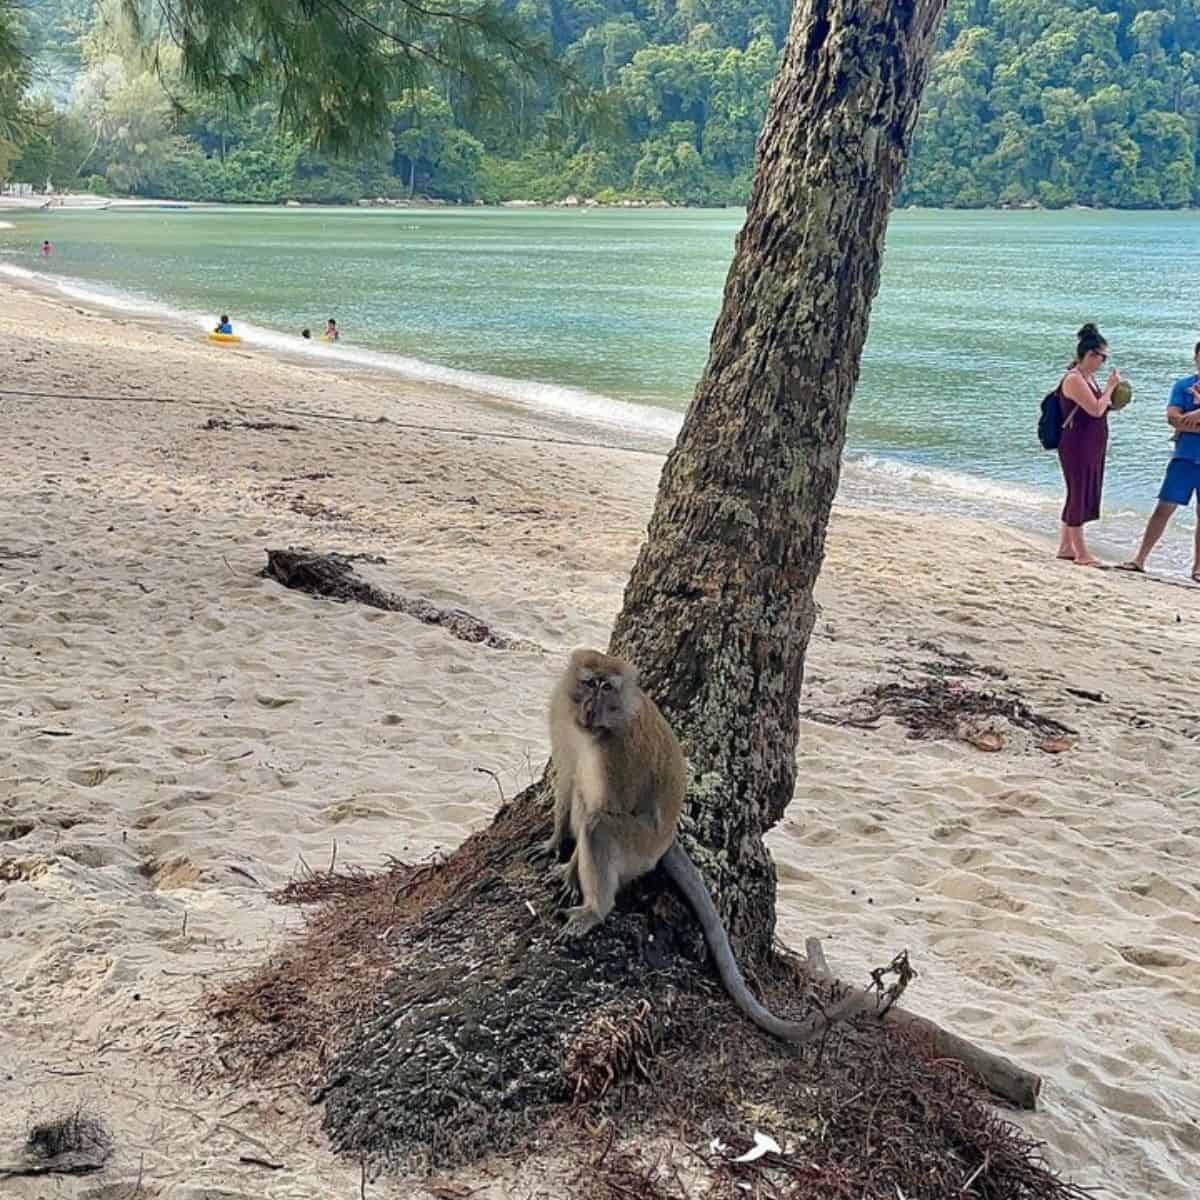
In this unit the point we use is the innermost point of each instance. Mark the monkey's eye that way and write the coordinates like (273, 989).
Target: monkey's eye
(606, 685)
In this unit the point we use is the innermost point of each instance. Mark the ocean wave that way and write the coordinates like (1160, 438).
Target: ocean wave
(873, 467)
(977, 494)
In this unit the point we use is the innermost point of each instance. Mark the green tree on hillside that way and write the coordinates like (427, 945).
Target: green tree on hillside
(428, 144)
(15, 117)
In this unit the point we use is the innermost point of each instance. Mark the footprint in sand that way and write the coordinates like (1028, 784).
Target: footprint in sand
(1147, 956)
(16, 870)
(89, 777)
(178, 872)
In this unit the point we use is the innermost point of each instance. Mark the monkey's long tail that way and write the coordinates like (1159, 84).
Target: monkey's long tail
(688, 880)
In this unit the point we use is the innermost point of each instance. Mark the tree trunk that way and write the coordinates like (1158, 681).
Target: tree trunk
(719, 608)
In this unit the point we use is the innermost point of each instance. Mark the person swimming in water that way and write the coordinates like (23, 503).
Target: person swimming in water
(306, 334)
(223, 325)
(47, 248)
(331, 333)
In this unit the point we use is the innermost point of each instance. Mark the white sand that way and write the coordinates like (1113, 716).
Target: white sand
(173, 724)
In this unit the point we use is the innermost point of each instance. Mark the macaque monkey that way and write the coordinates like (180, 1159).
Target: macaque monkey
(619, 786)
(619, 782)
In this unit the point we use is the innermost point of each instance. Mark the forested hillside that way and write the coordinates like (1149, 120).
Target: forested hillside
(1031, 101)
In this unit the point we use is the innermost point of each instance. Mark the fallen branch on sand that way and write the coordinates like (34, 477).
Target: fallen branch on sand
(259, 426)
(940, 707)
(76, 1144)
(332, 575)
(1001, 1076)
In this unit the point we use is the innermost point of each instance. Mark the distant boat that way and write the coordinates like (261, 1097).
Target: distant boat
(59, 203)
(101, 203)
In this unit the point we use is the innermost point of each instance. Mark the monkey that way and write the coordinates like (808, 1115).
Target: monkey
(620, 781)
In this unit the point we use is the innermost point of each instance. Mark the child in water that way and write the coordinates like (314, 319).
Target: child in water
(331, 331)
(223, 325)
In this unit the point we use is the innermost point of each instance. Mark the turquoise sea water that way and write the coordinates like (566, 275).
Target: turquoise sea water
(606, 314)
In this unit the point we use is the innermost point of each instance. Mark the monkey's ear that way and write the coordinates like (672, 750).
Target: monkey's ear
(629, 671)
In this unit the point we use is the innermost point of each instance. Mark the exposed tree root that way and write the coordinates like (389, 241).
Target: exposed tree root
(999, 1075)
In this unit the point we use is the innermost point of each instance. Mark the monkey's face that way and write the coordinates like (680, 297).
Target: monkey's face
(599, 703)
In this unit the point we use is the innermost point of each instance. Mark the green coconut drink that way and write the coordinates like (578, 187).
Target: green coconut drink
(1122, 394)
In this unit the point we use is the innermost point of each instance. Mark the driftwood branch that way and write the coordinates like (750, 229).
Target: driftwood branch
(1000, 1075)
(76, 1144)
(332, 575)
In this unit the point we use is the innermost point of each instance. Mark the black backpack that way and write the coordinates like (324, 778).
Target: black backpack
(1050, 423)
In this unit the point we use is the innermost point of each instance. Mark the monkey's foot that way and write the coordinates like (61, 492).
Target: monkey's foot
(580, 920)
(542, 850)
(567, 876)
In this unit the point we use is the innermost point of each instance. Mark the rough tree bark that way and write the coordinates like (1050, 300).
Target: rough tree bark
(719, 608)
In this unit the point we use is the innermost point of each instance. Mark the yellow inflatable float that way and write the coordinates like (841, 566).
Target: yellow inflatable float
(224, 339)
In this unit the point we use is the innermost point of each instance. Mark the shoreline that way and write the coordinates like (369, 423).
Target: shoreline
(870, 482)
(458, 385)
(177, 723)
(588, 204)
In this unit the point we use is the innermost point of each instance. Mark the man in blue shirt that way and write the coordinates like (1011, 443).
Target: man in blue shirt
(1182, 481)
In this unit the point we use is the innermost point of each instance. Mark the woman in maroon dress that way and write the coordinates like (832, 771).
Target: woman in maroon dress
(1084, 407)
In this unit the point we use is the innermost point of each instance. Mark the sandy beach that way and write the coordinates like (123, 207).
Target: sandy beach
(180, 734)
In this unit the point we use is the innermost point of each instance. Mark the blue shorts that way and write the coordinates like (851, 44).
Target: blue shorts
(1182, 481)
